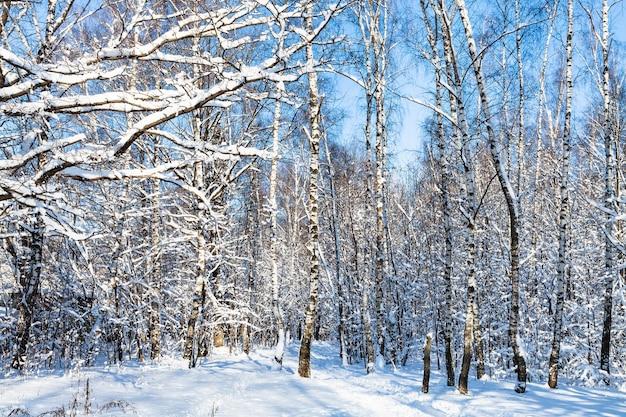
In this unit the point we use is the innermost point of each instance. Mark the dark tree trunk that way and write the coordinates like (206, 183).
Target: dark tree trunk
(29, 268)
(426, 379)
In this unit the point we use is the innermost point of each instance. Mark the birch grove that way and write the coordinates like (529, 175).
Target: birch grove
(178, 178)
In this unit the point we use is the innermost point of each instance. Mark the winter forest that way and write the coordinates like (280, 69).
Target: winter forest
(181, 176)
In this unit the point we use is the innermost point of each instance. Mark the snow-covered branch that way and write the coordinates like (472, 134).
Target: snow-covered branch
(96, 79)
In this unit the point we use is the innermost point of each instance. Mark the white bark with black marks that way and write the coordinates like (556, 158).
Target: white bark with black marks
(610, 203)
(314, 135)
(519, 361)
(273, 208)
(564, 216)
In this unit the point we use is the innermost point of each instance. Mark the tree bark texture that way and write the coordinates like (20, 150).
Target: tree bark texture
(610, 151)
(304, 360)
(470, 312)
(426, 378)
(553, 367)
(29, 269)
(276, 310)
(197, 302)
(154, 271)
(380, 63)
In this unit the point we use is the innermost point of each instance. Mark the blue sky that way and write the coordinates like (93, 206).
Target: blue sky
(406, 132)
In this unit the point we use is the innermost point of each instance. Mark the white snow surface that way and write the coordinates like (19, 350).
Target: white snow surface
(242, 385)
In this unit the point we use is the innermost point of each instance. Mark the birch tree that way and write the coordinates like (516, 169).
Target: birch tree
(463, 143)
(511, 202)
(342, 296)
(368, 85)
(153, 268)
(444, 165)
(314, 135)
(610, 203)
(564, 209)
(273, 208)
(373, 23)
(380, 47)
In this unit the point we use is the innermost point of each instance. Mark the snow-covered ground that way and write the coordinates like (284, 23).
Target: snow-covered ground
(240, 385)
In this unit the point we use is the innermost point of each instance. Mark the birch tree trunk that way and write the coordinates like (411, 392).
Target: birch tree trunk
(154, 271)
(445, 186)
(426, 378)
(471, 310)
(367, 19)
(479, 350)
(534, 203)
(29, 270)
(378, 28)
(4, 17)
(370, 355)
(610, 151)
(553, 369)
(276, 310)
(341, 292)
(511, 202)
(304, 359)
(522, 96)
(197, 299)
(253, 222)
(192, 340)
